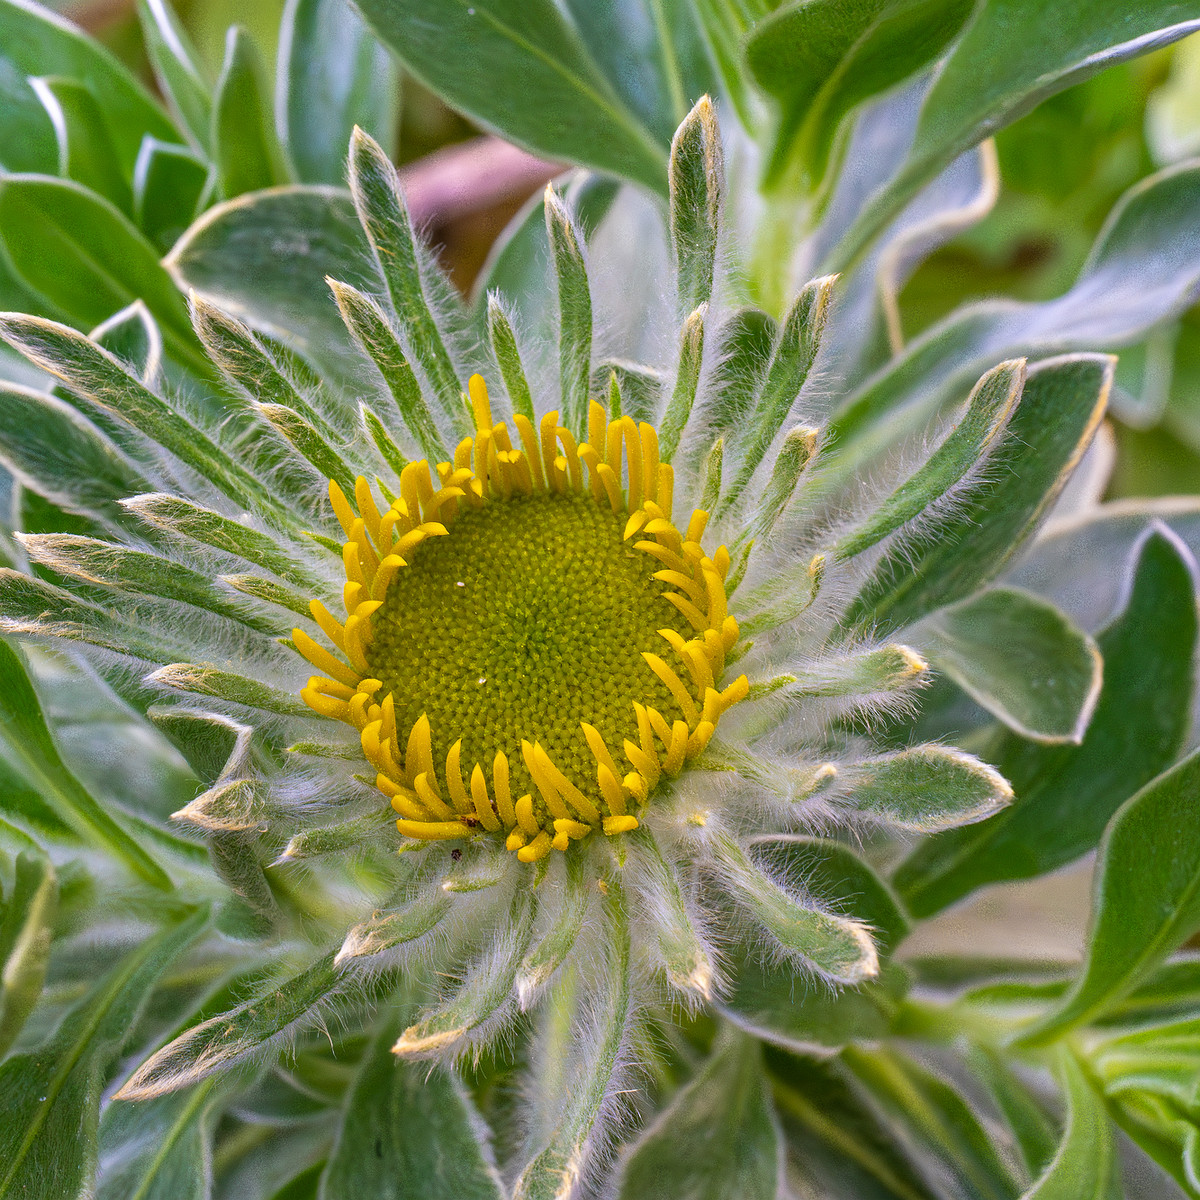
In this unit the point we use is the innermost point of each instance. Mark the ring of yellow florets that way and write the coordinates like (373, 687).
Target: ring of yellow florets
(629, 627)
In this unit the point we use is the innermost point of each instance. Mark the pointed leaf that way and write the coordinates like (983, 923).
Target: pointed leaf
(697, 178)
(537, 64)
(26, 927)
(332, 75)
(245, 149)
(408, 1133)
(1021, 659)
(718, 1139)
(175, 68)
(1066, 794)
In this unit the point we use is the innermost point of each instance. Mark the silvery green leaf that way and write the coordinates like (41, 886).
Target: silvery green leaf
(1061, 405)
(1020, 658)
(574, 312)
(1066, 794)
(932, 1121)
(50, 1096)
(176, 69)
(332, 75)
(697, 180)
(927, 788)
(262, 258)
(389, 928)
(995, 73)
(1141, 271)
(408, 1133)
(58, 453)
(86, 152)
(171, 184)
(30, 746)
(1086, 1165)
(133, 336)
(719, 1138)
(217, 1043)
(245, 148)
(1146, 901)
(86, 258)
(158, 1149)
(26, 927)
(35, 41)
(537, 63)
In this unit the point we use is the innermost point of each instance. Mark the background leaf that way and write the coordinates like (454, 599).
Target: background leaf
(26, 927)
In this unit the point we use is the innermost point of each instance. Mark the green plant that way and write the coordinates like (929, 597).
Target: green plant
(673, 582)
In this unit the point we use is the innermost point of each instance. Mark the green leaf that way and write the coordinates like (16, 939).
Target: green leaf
(1066, 794)
(170, 185)
(133, 336)
(536, 64)
(927, 788)
(718, 1138)
(802, 1014)
(86, 152)
(245, 149)
(32, 749)
(217, 1043)
(1021, 659)
(26, 927)
(929, 1115)
(408, 1133)
(382, 210)
(86, 258)
(1086, 1165)
(1146, 901)
(332, 75)
(1060, 408)
(36, 42)
(997, 72)
(158, 1149)
(179, 77)
(687, 379)
(697, 178)
(59, 454)
(1033, 1134)
(50, 1096)
(988, 409)
(574, 313)
(821, 58)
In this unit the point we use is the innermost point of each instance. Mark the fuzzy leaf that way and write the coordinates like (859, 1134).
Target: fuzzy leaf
(36, 42)
(928, 788)
(245, 149)
(1060, 408)
(332, 839)
(565, 899)
(926, 1112)
(1021, 659)
(31, 747)
(792, 357)
(158, 1149)
(996, 72)
(56, 452)
(51, 1096)
(1066, 794)
(801, 1014)
(988, 409)
(600, 1033)
(537, 64)
(574, 312)
(1086, 1165)
(1146, 901)
(217, 1043)
(333, 75)
(821, 58)
(697, 178)
(384, 216)
(175, 68)
(839, 948)
(261, 257)
(718, 1139)
(86, 258)
(408, 1134)
(170, 184)
(394, 927)
(687, 379)
(26, 927)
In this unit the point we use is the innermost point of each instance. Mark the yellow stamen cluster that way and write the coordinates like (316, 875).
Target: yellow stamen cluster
(579, 595)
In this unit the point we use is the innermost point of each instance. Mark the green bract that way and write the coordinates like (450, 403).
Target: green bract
(684, 639)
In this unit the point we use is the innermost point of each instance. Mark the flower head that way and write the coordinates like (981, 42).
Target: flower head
(591, 646)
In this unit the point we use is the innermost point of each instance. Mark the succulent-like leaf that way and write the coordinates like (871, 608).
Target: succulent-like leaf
(174, 60)
(1021, 659)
